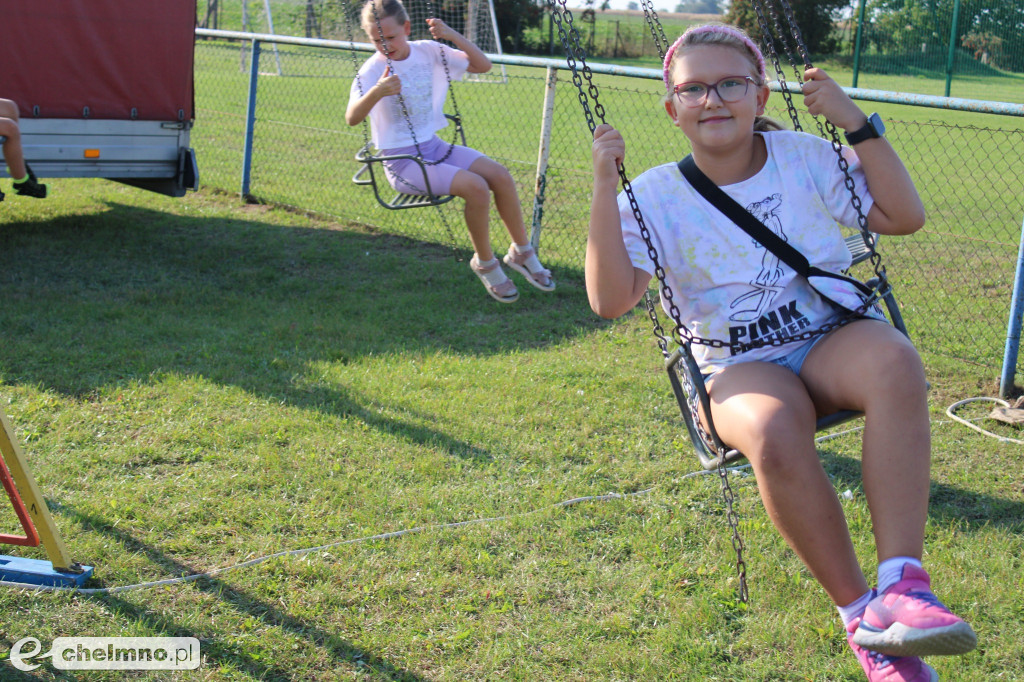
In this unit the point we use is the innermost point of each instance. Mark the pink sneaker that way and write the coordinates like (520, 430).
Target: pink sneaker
(907, 620)
(881, 668)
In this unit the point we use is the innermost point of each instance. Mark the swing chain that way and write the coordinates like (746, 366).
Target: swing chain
(829, 132)
(680, 333)
(723, 475)
(769, 46)
(572, 52)
(657, 30)
(734, 524)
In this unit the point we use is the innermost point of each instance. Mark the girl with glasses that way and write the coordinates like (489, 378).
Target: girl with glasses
(765, 400)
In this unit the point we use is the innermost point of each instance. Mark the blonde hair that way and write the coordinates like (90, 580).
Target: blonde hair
(376, 10)
(726, 36)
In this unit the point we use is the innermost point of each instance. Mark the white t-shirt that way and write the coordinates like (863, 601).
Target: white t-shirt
(729, 287)
(424, 88)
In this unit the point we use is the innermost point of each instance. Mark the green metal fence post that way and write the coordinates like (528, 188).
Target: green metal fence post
(857, 42)
(952, 45)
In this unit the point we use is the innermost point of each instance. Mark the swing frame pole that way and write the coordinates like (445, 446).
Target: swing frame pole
(543, 154)
(250, 120)
(1013, 327)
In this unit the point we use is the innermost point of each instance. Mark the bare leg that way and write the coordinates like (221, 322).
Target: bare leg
(871, 367)
(506, 197)
(764, 411)
(474, 190)
(13, 155)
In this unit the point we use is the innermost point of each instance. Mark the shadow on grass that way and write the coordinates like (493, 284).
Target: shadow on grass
(948, 504)
(243, 603)
(97, 301)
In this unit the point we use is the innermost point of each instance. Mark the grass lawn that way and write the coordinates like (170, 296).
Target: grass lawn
(199, 382)
(954, 279)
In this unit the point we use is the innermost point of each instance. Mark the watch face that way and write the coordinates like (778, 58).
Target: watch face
(875, 121)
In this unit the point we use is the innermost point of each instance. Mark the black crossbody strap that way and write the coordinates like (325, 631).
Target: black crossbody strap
(742, 217)
(756, 229)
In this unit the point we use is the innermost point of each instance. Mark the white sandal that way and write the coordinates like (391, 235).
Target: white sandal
(525, 262)
(504, 291)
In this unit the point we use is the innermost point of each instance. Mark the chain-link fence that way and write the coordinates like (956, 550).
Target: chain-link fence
(959, 37)
(954, 278)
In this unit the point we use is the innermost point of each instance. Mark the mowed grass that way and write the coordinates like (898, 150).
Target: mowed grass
(200, 382)
(958, 271)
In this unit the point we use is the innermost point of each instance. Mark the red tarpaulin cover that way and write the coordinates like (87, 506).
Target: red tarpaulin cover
(108, 55)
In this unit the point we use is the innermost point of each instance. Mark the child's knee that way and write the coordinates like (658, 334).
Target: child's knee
(471, 187)
(501, 179)
(898, 366)
(9, 109)
(9, 129)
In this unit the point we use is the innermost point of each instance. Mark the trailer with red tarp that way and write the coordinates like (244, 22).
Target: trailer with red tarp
(104, 88)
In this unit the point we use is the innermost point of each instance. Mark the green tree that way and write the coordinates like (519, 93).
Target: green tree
(815, 18)
(922, 25)
(908, 25)
(516, 16)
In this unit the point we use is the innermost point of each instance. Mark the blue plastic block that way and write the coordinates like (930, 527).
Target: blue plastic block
(38, 572)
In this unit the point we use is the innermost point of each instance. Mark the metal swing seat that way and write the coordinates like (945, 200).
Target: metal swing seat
(687, 383)
(369, 157)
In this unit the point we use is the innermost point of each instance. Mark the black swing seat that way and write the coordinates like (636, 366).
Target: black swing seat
(367, 176)
(688, 384)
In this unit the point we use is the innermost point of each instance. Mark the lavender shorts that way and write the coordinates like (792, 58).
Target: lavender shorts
(406, 175)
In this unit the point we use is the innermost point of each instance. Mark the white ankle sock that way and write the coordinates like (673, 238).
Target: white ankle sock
(890, 571)
(532, 263)
(855, 609)
(495, 276)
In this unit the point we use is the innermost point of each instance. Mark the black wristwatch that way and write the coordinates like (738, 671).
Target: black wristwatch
(870, 130)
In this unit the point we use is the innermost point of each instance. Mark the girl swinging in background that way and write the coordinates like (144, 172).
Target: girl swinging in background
(765, 400)
(416, 70)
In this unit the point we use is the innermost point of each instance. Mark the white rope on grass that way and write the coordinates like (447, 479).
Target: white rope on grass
(444, 526)
(951, 413)
(308, 550)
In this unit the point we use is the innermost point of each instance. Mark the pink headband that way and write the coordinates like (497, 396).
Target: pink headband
(715, 28)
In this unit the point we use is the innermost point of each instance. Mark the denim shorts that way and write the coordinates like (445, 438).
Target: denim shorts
(793, 360)
(406, 175)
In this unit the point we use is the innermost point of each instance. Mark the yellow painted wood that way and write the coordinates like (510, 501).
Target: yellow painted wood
(33, 498)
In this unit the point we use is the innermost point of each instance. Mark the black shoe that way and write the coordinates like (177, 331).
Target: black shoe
(31, 187)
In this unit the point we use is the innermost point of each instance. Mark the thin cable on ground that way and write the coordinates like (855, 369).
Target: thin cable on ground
(320, 548)
(457, 524)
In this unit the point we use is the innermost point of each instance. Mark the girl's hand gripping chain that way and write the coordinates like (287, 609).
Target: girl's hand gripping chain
(608, 151)
(389, 83)
(824, 97)
(441, 31)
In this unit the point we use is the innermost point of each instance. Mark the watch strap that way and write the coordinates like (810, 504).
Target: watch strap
(868, 131)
